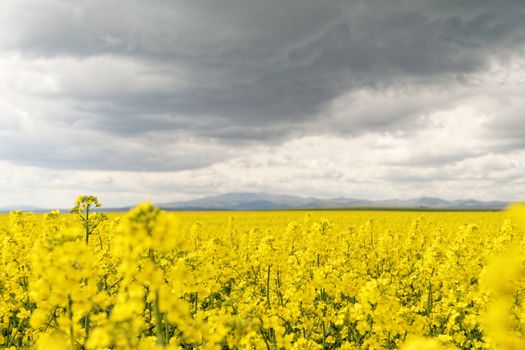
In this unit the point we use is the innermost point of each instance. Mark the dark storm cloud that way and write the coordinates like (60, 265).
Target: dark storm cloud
(174, 85)
(253, 64)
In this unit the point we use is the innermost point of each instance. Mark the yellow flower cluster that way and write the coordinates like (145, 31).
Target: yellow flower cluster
(150, 279)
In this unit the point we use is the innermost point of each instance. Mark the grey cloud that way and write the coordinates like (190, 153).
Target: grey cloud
(510, 122)
(136, 77)
(256, 64)
(84, 150)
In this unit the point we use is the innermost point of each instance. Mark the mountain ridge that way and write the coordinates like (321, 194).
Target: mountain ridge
(265, 201)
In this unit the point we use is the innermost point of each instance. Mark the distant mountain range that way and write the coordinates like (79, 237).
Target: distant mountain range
(264, 201)
(26, 208)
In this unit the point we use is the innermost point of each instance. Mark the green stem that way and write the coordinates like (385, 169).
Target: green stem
(268, 286)
(324, 335)
(86, 326)
(51, 318)
(158, 320)
(196, 302)
(429, 299)
(70, 315)
(279, 293)
(265, 339)
(87, 225)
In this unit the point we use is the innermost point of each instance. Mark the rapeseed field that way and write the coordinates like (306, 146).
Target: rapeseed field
(150, 279)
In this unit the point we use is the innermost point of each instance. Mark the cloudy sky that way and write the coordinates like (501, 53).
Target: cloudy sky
(175, 99)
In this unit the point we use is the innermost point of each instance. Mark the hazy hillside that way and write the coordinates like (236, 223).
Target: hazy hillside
(260, 201)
